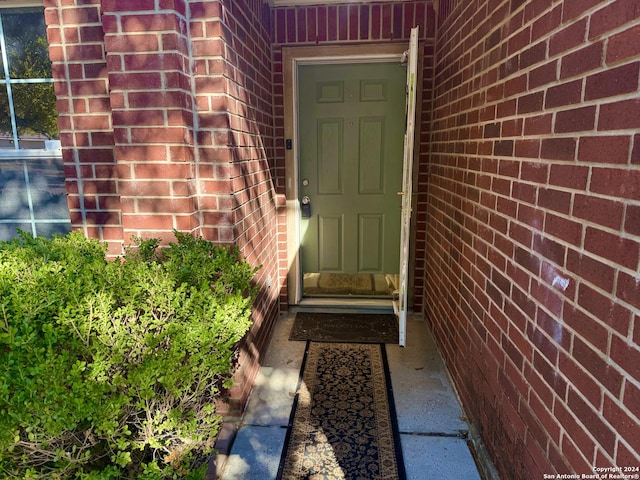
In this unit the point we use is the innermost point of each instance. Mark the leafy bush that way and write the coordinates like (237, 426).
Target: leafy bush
(111, 369)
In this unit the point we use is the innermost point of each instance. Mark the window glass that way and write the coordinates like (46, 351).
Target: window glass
(49, 229)
(14, 199)
(10, 230)
(33, 197)
(27, 100)
(6, 137)
(25, 37)
(48, 195)
(32, 187)
(35, 112)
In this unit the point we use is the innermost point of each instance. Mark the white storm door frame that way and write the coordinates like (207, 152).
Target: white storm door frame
(400, 305)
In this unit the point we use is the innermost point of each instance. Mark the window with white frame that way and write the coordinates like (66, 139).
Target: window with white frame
(32, 191)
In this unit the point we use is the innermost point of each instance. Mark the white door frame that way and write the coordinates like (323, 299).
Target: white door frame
(292, 58)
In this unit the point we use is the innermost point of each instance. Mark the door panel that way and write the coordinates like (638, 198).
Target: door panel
(330, 244)
(330, 92)
(351, 129)
(373, 90)
(330, 156)
(371, 160)
(370, 242)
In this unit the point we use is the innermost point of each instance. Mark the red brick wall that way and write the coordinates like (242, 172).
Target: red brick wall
(349, 24)
(533, 246)
(166, 114)
(238, 199)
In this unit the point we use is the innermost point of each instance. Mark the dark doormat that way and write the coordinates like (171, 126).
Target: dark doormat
(345, 327)
(343, 421)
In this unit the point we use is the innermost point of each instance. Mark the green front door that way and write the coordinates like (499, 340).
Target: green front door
(351, 130)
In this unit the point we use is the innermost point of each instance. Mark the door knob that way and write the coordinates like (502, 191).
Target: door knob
(305, 206)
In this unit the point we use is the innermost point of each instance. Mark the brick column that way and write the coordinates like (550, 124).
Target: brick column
(82, 88)
(147, 57)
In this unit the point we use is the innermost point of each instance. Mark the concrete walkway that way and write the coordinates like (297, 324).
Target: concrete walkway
(432, 428)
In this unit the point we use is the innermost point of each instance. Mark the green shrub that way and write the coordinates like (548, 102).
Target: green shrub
(111, 369)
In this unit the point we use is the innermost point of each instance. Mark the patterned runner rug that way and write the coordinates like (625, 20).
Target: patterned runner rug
(343, 422)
